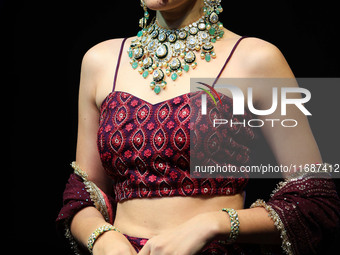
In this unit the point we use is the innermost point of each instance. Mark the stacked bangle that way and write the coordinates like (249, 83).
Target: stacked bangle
(234, 224)
(98, 232)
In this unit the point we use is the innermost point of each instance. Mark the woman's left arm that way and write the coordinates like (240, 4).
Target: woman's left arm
(304, 210)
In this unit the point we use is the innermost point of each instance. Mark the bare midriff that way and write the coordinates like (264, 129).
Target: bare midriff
(148, 217)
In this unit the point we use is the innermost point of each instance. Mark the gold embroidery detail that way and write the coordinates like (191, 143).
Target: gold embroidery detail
(73, 243)
(95, 194)
(304, 175)
(286, 245)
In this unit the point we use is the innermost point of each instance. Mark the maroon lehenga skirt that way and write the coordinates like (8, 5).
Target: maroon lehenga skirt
(215, 247)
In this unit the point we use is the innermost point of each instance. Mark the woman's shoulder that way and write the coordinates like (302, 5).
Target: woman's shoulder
(102, 53)
(262, 58)
(98, 65)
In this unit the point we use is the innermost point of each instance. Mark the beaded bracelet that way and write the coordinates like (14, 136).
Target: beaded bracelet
(98, 232)
(234, 224)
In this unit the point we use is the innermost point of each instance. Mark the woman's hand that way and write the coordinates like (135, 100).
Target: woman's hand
(113, 243)
(189, 237)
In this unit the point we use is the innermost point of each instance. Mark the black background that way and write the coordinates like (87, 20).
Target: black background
(42, 46)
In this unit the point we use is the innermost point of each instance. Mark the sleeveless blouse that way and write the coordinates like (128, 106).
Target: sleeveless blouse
(146, 148)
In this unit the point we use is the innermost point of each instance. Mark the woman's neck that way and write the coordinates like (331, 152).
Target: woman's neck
(180, 16)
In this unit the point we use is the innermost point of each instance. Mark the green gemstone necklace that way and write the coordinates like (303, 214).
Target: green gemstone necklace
(157, 49)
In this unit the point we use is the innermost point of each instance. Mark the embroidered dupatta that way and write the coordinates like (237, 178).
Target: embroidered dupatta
(80, 193)
(306, 211)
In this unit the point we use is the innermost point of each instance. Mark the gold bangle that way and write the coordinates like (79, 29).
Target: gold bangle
(98, 232)
(234, 224)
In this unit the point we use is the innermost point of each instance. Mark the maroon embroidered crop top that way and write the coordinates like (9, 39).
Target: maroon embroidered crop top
(145, 148)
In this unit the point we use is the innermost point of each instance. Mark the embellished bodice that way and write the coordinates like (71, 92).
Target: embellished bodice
(145, 147)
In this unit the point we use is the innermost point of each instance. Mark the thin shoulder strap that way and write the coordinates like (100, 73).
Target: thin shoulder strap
(118, 63)
(228, 59)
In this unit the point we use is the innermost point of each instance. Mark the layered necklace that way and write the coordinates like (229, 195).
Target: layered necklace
(165, 53)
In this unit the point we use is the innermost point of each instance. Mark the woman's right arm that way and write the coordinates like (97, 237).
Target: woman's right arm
(109, 243)
(87, 220)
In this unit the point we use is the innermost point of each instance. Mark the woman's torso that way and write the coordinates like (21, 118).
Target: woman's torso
(146, 217)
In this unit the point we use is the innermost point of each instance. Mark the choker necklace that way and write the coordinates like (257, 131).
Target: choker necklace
(173, 50)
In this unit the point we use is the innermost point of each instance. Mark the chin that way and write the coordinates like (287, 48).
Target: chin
(163, 5)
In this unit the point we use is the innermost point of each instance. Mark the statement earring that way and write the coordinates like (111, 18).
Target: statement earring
(143, 21)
